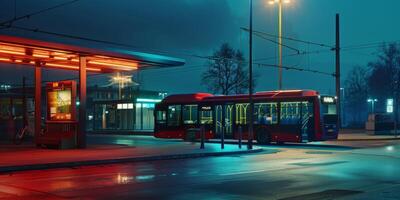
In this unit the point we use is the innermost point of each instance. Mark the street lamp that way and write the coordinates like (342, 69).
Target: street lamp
(280, 5)
(122, 82)
(372, 101)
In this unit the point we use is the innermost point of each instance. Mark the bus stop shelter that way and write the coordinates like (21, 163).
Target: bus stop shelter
(43, 54)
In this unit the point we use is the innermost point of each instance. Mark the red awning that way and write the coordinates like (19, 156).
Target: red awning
(55, 55)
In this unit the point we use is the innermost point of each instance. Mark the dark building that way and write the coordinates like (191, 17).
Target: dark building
(128, 110)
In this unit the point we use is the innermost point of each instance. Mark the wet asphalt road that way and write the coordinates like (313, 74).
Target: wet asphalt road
(280, 172)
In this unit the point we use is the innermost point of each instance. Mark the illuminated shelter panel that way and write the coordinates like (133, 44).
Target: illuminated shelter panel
(60, 105)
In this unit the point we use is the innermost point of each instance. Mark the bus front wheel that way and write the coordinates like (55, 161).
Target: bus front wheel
(263, 136)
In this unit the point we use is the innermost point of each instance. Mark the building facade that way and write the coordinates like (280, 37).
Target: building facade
(127, 110)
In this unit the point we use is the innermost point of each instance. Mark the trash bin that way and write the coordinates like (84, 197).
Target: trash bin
(191, 134)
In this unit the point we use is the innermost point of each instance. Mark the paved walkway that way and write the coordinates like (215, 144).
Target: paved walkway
(106, 150)
(360, 134)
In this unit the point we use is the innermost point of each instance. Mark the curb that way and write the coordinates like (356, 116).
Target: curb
(17, 168)
(368, 139)
(289, 145)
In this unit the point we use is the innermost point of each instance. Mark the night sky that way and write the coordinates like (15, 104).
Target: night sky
(181, 28)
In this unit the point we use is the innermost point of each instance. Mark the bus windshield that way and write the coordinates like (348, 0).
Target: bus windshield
(328, 109)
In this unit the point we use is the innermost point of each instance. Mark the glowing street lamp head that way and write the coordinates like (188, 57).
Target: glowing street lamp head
(272, 2)
(121, 81)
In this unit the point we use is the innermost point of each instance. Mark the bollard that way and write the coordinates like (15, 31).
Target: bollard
(202, 136)
(240, 136)
(223, 138)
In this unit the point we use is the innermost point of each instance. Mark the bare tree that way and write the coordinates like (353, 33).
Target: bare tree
(384, 77)
(356, 94)
(226, 73)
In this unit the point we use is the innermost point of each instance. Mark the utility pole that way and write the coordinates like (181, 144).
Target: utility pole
(250, 134)
(280, 43)
(337, 51)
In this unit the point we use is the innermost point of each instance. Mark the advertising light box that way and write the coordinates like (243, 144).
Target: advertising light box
(61, 101)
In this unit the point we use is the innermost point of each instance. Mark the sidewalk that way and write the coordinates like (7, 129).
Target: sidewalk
(108, 150)
(363, 135)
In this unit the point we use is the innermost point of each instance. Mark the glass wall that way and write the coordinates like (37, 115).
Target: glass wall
(126, 116)
(148, 116)
(138, 116)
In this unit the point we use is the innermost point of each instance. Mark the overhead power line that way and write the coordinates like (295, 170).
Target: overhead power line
(131, 46)
(295, 54)
(296, 69)
(368, 45)
(273, 41)
(289, 38)
(27, 16)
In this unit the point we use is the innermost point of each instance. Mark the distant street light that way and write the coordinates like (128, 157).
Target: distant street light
(280, 5)
(372, 101)
(122, 81)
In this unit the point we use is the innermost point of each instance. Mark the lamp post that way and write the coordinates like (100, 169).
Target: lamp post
(280, 8)
(372, 101)
(343, 106)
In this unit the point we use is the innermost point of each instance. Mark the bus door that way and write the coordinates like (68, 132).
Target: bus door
(290, 121)
(307, 121)
(224, 120)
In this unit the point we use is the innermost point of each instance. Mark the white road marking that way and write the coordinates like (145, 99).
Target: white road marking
(245, 172)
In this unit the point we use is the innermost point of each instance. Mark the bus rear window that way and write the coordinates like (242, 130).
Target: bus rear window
(174, 115)
(161, 116)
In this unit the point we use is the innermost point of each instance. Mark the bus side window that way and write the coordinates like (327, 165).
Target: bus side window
(290, 113)
(174, 115)
(206, 116)
(266, 113)
(242, 113)
(190, 114)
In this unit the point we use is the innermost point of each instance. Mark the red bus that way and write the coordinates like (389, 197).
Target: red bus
(279, 116)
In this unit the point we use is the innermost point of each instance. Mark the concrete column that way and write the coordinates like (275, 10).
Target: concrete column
(82, 106)
(38, 101)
